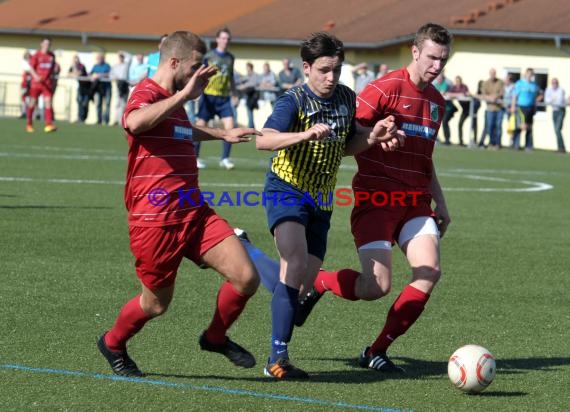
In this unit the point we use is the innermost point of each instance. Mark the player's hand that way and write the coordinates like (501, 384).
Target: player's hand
(317, 132)
(199, 81)
(386, 133)
(442, 219)
(240, 134)
(394, 142)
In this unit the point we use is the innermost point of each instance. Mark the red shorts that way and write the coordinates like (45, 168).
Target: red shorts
(370, 222)
(37, 89)
(159, 250)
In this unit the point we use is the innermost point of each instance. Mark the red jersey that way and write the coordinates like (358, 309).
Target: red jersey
(162, 176)
(418, 113)
(44, 65)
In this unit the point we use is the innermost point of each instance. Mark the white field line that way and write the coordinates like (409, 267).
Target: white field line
(528, 186)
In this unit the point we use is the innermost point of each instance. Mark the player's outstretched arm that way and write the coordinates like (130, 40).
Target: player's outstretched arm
(272, 139)
(237, 135)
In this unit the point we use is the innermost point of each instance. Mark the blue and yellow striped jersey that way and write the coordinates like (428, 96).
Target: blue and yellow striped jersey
(312, 166)
(220, 83)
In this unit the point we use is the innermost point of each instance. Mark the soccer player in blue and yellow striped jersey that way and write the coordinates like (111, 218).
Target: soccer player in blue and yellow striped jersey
(312, 126)
(217, 96)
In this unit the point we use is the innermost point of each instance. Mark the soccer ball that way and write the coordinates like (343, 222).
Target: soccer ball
(471, 368)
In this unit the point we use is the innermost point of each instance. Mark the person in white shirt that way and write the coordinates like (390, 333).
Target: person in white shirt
(555, 96)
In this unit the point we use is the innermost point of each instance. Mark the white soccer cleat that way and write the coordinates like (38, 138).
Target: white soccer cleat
(226, 164)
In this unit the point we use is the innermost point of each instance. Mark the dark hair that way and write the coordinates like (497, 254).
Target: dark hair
(180, 44)
(321, 44)
(434, 32)
(223, 30)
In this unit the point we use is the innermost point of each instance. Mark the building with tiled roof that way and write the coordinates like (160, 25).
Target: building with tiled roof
(509, 35)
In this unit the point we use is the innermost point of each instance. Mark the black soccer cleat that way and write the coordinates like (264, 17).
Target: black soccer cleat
(120, 362)
(238, 355)
(378, 361)
(284, 369)
(306, 305)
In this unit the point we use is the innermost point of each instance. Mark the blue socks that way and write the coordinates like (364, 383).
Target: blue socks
(283, 308)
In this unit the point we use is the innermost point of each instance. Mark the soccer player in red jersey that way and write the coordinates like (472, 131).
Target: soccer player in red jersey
(167, 218)
(42, 66)
(406, 94)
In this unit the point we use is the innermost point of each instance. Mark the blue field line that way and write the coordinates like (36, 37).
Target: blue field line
(206, 388)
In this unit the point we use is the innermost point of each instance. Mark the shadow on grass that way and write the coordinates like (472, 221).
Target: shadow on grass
(415, 369)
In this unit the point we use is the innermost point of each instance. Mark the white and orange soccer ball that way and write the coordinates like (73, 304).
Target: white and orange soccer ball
(471, 368)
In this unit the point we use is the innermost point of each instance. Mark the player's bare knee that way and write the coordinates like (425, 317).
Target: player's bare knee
(250, 281)
(247, 281)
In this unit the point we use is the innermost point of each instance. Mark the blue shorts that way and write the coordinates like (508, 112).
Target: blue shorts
(286, 203)
(210, 106)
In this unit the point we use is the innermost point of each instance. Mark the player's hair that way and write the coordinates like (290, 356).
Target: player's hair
(434, 32)
(162, 39)
(180, 44)
(321, 44)
(223, 30)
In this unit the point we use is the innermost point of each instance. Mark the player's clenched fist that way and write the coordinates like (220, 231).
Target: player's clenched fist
(317, 132)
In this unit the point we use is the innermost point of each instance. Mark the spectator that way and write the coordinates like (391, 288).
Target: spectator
(138, 70)
(101, 88)
(460, 91)
(248, 88)
(120, 75)
(474, 121)
(508, 91)
(78, 71)
(217, 97)
(442, 84)
(362, 76)
(289, 76)
(268, 84)
(382, 70)
(492, 93)
(153, 59)
(555, 96)
(526, 95)
(42, 66)
(25, 84)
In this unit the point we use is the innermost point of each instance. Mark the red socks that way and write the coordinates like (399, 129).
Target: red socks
(131, 319)
(229, 306)
(405, 310)
(30, 115)
(48, 116)
(340, 283)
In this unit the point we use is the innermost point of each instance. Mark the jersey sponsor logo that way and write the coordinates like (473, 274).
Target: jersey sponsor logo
(312, 112)
(421, 130)
(407, 106)
(182, 132)
(434, 111)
